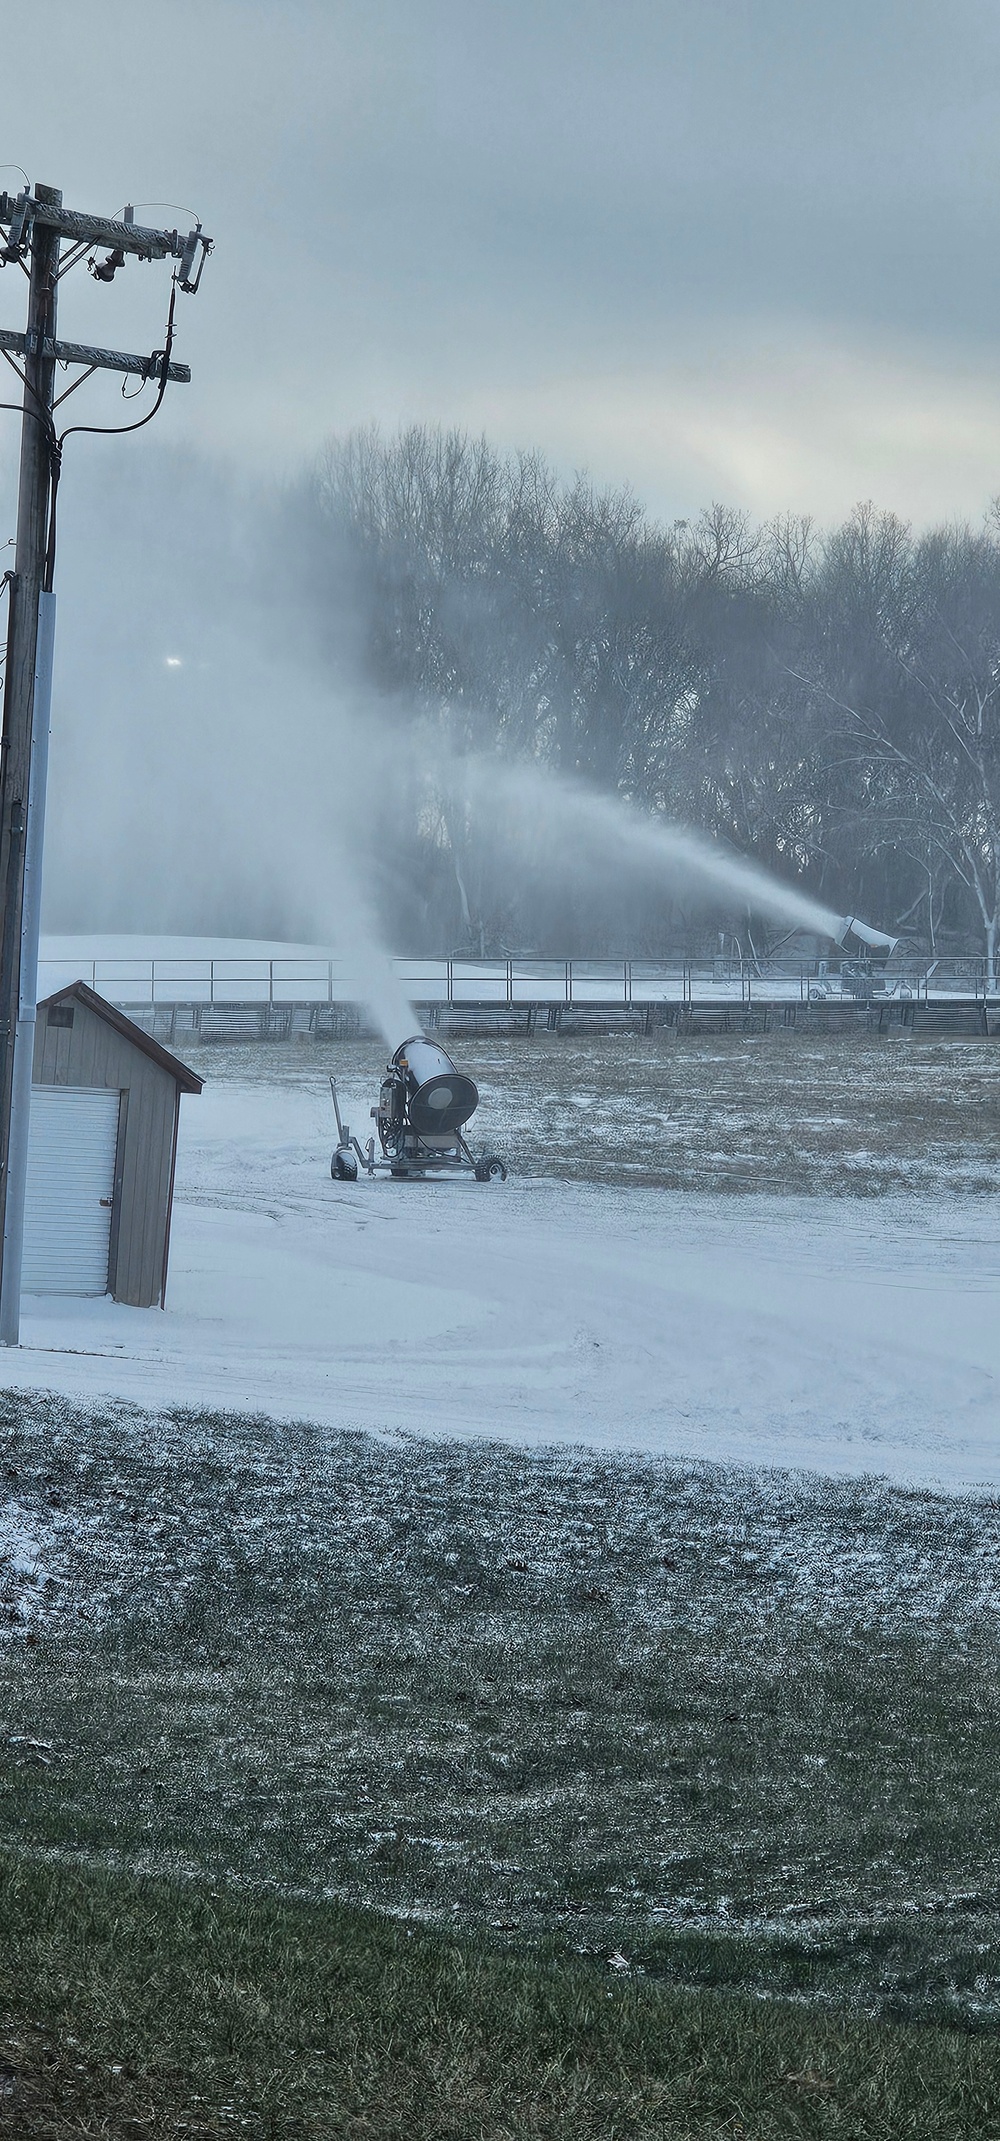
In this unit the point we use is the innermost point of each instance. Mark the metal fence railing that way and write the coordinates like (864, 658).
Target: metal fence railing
(509, 982)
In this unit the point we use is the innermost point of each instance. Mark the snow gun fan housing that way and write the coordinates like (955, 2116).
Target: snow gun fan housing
(423, 1095)
(424, 1104)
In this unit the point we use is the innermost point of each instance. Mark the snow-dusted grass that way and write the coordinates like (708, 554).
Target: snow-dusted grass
(783, 1114)
(787, 1113)
(733, 1727)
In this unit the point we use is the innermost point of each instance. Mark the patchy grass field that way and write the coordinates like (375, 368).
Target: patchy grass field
(713, 1727)
(786, 1113)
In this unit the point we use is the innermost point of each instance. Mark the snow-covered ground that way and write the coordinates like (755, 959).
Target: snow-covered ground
(839, 1334)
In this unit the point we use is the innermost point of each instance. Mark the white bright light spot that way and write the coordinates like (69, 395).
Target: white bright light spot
(173, 661)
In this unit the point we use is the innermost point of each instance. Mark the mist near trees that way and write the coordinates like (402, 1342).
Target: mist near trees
(826, 702)
(387, 698)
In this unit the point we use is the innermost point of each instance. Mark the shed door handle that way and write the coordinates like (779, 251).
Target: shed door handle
(106, 1203)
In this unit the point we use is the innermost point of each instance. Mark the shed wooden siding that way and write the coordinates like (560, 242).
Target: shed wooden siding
(90, 1052)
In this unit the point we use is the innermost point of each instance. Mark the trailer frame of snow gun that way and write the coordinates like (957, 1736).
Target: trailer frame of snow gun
(344, 1164)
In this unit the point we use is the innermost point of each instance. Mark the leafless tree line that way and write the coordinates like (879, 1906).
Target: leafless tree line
(827, 702)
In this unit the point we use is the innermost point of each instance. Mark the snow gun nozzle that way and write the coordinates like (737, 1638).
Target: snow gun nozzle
(876, 939)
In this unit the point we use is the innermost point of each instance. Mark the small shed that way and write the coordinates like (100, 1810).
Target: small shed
(102, 1147)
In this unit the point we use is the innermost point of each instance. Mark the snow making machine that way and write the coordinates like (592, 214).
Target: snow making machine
(424, 1104)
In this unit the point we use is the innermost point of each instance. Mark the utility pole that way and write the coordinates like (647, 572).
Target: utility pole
(36, 224)
(19, 698)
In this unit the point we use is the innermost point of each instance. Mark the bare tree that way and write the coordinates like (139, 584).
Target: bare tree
(830, 704)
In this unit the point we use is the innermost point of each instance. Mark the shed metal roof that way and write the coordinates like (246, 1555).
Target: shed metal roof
(187, 1080)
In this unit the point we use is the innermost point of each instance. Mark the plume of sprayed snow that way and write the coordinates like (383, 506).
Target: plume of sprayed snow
(372, 977)
(206, 777)
(575, 827)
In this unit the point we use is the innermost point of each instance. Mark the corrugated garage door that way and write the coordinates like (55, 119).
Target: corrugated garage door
(71, 1172)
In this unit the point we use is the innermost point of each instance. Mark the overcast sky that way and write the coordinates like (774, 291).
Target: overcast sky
(718, 250)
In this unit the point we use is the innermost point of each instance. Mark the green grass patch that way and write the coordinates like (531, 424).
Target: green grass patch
(157, 2008)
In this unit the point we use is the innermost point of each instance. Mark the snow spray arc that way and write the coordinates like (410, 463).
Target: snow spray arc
(546, 814)
(530, 810)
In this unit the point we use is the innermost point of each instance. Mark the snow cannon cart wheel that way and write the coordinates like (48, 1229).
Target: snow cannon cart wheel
(343, 1167)
(491, 1169)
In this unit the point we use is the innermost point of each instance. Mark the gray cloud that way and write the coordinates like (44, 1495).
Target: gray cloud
(641, 237)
